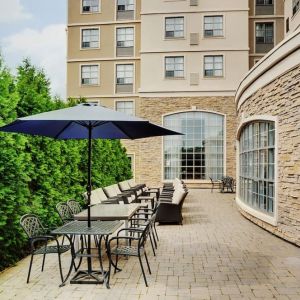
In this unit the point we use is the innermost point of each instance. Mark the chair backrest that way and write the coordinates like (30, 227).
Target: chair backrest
(117, 188)
(124, 185)
(110, 191)
(143, 237)
(74, 206)
(100, 195)
(64, 212)
(131, 182)
(32, 225)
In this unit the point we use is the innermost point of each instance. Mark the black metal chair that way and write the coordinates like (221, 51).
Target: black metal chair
(228, 183)
(37, 234)
(64, 212)
(215, 182)
(127, 249)
(74, 206)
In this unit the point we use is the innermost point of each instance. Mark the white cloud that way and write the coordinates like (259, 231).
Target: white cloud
(45, 47)
(12, 11)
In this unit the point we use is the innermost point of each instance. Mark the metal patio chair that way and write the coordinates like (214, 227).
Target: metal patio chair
(38, 236)
(74, 206)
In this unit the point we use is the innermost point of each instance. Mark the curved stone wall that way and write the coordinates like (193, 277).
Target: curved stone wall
(272, 90)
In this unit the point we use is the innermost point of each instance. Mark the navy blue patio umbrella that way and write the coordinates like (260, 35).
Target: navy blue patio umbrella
(86, 121)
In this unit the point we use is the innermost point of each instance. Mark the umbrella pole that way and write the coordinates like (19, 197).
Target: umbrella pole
(89, 192)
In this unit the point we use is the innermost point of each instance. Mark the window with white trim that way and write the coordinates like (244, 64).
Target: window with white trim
(174, 27)
(125, 74)
(174, 67)
(257, 166)
(213, 26)
(89, 74)
(90, 38)
(125, 37)
(125, 5)
(264, 2)
(213, 66)
(90, 6)
(131, 159)
(126, 107)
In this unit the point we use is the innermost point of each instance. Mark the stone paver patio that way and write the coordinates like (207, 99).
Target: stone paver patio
(215, 254)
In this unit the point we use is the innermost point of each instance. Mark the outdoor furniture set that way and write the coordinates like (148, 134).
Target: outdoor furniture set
(226, 184)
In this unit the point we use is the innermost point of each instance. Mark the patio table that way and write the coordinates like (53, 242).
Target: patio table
(76, 228)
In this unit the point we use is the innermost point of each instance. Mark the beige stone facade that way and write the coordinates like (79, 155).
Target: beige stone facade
(279, 99)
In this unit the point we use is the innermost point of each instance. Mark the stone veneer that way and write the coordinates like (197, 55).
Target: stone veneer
(281, 98)
(148, 152)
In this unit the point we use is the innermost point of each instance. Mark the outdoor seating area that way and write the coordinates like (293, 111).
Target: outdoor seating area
(216, 261)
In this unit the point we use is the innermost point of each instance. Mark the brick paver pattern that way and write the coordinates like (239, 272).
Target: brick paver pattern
(215, 254)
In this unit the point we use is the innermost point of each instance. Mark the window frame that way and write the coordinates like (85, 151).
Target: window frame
(174, 69)
(204, 23)
(165, 28)
(133, 36)
(223, 66)
(125, 101)
(81, 38)
(264, 30)
(264, 3)
(117, 6)
(133, 73)
(91, 12)
(81, 66)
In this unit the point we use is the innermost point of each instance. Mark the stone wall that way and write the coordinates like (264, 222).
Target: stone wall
(281, 98)
(148, 152)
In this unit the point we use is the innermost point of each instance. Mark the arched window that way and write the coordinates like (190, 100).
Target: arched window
(257, 171)
(199, 153)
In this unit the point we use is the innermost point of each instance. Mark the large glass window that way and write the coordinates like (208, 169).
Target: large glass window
(257, 170)
(90, 38)
(174, 27)
(125, 74)
(199, 153)
(213, 26)
(90, 74)
(264, 2)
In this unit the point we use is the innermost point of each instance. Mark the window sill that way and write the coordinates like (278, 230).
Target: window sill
(91, 13)
(86, 49)
(213, 77)
(174, 38)
(89, 85)
(214, 37)
(174, 78)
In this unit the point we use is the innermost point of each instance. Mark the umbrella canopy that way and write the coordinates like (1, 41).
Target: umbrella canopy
(74, 122)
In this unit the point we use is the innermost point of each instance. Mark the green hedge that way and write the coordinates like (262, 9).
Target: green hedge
(35, 172)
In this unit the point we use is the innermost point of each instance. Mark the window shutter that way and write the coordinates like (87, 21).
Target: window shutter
(194, 78)
(194, 38)
(193, 2)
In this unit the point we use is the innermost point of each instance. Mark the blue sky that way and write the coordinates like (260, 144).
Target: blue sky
(36, 29)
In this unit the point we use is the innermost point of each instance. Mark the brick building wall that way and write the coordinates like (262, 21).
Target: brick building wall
(281, 98)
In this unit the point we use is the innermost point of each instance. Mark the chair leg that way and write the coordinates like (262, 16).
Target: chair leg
(60, 269)
(147, 263)
(44, 257)
(116, 264)
(30, 265)
(151, 241)
(140, 259)
(155, 231)
(153, 236)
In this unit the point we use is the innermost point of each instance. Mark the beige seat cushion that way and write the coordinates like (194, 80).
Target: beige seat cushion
(101, 195)
(94, 198)
(178, 196)
(110, 191)
(131, 182)
(124, 185)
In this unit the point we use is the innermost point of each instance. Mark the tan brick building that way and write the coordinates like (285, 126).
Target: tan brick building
(176, 63)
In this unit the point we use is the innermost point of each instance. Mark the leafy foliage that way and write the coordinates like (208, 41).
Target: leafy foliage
(38, 172)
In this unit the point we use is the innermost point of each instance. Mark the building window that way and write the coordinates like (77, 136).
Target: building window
(213, 66)
(264, 33)
(125, 37)
(125, 74)
(287, 25)
(174, 27)
(126, 107)
(257, 167)
(213, 26)
(90, 75)
(264, 2)
(90, 6)
(125, 5)
(296, 6)
(199, 153)
(174, 67)
(90, 38)
(131, 160)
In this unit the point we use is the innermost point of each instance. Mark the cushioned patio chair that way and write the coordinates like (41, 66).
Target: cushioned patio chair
(39, 238)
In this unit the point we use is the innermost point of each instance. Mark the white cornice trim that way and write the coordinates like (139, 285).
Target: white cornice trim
(102, 59)
(193, 12)
(284, 57)
(196, 50)
(104, 23)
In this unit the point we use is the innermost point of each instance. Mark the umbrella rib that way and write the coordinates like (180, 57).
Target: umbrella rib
(62, 130)
(123, 131)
